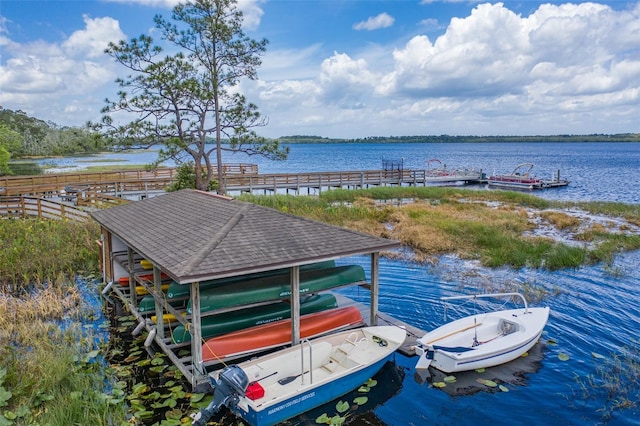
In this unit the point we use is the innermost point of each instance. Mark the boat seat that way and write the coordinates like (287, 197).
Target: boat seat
(341, 353)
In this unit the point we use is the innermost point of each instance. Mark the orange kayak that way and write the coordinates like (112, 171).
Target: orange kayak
(278, 333)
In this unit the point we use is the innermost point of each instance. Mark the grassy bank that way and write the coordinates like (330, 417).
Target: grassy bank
(49, 373)
(497, 228)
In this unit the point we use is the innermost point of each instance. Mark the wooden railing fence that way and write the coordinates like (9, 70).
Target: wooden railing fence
(24, 207)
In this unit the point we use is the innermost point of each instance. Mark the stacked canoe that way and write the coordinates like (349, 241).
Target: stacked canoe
(253, 301)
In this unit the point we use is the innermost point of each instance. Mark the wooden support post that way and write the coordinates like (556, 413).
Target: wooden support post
(132, 281)
(375, 264)
(157, 287)
(196, 334)
(295, 304)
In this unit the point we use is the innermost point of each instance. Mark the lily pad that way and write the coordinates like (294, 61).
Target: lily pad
(337, 420)
(439, 384)
(323, 419)
(503, 388)
(361, 400)
(563, 357)
(342, 406)
(450, 379)
(364, 389)
(480, 370)
(371, 383)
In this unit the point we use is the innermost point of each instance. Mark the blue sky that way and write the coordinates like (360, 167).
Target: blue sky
(355, 68)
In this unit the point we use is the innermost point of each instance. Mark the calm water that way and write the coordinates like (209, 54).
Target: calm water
(597, 171)
(594, 310)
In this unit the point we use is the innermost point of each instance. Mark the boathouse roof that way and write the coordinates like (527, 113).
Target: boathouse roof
(196, 236)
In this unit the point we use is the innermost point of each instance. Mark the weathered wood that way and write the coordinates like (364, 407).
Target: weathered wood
(375, 262)
(37, 207)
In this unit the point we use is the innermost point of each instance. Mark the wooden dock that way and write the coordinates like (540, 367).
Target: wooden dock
(91, 188)
(319, 181)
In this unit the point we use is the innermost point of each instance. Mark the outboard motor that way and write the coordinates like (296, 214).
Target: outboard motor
(232, 383)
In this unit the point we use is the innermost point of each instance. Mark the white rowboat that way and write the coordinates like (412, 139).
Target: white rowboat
(482, 340)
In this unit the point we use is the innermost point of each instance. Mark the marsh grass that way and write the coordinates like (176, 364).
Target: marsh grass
(490, 226)
(50, 372)
(616, 379)
(36, 252)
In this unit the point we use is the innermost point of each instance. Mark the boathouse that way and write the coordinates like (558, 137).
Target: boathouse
(191, 237)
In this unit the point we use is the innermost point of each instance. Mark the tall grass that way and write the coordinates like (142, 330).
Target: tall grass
(49, 372)
(490, 226)
(45, 251)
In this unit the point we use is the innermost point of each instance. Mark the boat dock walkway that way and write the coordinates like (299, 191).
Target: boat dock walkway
(89, 188)
(319, 181)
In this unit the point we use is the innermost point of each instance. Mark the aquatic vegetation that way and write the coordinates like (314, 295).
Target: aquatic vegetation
(616, 379)
(52, 370)
(342, 407)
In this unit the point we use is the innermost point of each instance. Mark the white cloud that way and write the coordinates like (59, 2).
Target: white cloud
(44, 78)
(383, 20)
(499, 66)
(571, 68)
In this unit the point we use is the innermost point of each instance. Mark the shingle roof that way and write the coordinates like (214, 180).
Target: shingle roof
(196, 236)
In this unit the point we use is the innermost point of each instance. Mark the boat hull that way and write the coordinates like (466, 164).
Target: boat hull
(177, 291)
(501, 337)
(265, 290)
(353, 357)
(275, 334)
(218, 324)
(310, 399)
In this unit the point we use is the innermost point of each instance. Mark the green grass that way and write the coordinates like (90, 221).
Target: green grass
(490, 226)
(38, 251)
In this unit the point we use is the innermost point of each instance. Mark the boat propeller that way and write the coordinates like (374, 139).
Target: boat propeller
(232, 382)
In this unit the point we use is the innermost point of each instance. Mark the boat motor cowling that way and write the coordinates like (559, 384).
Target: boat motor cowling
(231, 384)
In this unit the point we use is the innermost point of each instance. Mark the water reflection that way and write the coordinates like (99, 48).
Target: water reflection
(514, 373)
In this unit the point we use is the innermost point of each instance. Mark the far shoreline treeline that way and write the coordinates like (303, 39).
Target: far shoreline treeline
(621, 137)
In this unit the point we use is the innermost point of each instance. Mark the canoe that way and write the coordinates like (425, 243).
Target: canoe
(275, 288)
(215, 325)
(177, 291)
(141, 291)
(272, 335)
(483, 340)
(273, 388)
(124, 281)
(148, 304)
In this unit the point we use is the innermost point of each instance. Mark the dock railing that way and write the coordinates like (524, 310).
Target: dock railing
(23, 207)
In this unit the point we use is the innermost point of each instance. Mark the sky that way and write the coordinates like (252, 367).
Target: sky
(359, 68)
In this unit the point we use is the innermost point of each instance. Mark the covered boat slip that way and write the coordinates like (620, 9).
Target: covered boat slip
(191, 237)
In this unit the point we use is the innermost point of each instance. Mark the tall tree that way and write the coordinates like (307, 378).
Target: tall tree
(182, 100)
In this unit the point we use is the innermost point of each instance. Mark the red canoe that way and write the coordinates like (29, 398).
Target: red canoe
(278, 333)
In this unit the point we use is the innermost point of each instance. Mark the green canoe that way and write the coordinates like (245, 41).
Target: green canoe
(217, 324)
(177, 291)
(277, 287)
(148, 304)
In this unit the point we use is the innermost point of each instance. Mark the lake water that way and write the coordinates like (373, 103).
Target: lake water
(596, 171)
(595, 310)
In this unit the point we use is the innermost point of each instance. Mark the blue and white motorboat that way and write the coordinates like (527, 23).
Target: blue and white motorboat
(273, 388)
